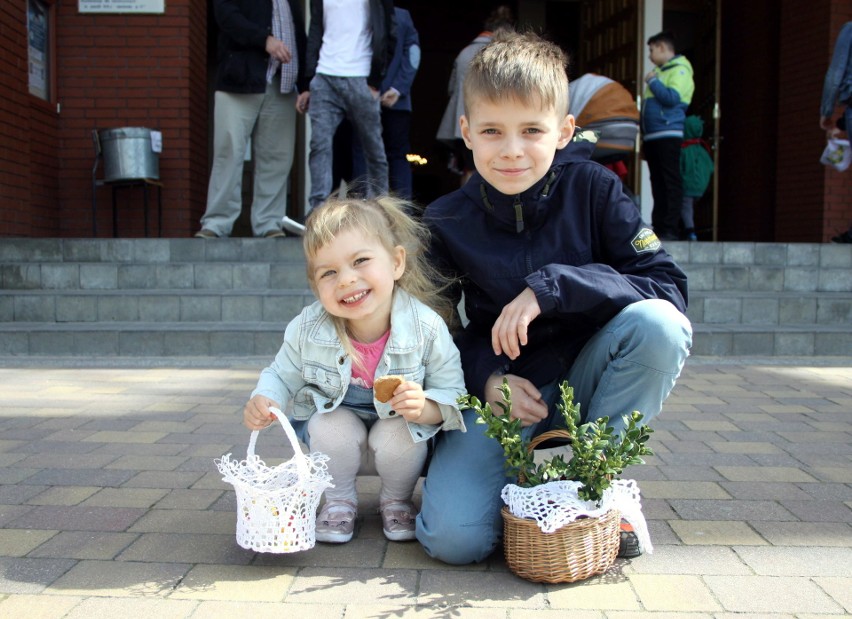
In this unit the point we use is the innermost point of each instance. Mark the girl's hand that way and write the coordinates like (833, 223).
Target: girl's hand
(410, 403)
(256, 413)
(408, 400)
(527, 404)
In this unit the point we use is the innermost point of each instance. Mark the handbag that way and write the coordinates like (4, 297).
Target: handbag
(837, 154)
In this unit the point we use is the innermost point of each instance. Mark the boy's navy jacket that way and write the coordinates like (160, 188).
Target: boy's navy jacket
(574, 238)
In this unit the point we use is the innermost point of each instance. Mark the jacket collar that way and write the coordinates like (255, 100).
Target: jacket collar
(406, 331)
(527, 209)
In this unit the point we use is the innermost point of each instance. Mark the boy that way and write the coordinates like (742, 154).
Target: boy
(668, 92)
(561, 280)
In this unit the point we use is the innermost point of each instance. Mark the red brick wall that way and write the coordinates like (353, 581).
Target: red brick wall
(44, 157)
(111, 71)
(802, 62)
(133, 71)
(15, 122)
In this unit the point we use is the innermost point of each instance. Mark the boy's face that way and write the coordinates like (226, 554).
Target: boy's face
(659, 53)
(514, 143)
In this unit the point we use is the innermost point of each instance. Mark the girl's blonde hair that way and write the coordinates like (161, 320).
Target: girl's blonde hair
(385, 219)
(520, 66)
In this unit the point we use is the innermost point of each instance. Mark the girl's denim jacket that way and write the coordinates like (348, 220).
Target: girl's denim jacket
(312, 371)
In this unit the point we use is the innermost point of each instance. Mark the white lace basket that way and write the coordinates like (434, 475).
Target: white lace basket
(277, 506)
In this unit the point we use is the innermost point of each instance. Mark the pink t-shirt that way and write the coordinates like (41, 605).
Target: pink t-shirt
(370, 355)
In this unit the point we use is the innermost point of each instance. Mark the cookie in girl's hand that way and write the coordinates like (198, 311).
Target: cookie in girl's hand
(385, 386)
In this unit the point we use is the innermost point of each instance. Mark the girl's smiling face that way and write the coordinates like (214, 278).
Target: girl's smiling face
(513, 142)
(354, 277)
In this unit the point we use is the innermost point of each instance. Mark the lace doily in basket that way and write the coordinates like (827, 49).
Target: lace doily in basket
(556, 503)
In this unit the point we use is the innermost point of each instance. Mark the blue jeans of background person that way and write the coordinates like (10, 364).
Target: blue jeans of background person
(630, 364)
(332, 99)
(396, 135)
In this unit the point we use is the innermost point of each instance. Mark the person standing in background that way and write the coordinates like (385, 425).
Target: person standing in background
(696, 169)
(668, 93)
(261, 67)
(396, 109)
(350, 43)
(837, 88)
(449, 133)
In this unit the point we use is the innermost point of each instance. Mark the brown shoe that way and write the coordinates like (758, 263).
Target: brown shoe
(204, 233)
(274, 234)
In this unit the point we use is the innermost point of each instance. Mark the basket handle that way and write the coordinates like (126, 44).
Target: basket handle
(298, 456)
(546, 436)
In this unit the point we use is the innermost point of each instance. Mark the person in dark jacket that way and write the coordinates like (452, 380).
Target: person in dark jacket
(261, 66)
(349, 47)
(561, 281)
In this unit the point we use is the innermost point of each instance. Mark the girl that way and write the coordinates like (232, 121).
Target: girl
(367, 268)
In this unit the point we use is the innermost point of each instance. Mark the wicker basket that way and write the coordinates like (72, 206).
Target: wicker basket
(576, 551)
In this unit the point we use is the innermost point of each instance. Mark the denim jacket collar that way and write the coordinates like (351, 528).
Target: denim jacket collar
(406, 336)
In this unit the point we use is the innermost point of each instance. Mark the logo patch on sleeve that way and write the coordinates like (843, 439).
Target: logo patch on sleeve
(645, 242)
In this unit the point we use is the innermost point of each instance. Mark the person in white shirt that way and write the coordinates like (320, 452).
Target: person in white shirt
(350, 43)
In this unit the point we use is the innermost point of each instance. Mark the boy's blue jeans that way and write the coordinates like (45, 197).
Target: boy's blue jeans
(630, 364)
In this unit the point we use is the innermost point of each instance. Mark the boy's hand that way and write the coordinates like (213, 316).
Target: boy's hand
(409, 401)
(509, 332)
(527, 404)
(256, 414)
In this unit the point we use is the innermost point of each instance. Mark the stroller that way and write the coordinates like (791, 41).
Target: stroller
(606, 107)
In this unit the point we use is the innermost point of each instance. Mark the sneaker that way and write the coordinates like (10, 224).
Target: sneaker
(274, 234)
(292, 226)
(336, 522)
(398, 520)
(628, 543)
(691, 237)
(204, 233)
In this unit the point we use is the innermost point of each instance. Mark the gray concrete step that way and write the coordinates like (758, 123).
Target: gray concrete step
(185, 297)
(732, 307)
(134, 339)
(149, 305)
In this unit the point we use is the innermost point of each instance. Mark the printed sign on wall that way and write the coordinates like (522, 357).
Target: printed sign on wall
(122, 6)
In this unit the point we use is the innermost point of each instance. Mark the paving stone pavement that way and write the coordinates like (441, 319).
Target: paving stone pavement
(111, 506)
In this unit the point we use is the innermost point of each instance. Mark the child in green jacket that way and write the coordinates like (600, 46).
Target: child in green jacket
(696, 168)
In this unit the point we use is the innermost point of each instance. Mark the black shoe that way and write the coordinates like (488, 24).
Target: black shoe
(628, 543)
(846, 237)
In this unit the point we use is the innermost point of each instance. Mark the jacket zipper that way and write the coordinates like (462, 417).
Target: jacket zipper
(519, 214)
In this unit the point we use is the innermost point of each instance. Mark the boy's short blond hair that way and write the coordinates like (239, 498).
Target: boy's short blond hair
(521, 66)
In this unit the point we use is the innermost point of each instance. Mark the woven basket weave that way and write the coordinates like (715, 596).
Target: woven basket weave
(576, 551)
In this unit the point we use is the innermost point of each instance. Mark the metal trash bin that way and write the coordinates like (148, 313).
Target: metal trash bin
(128, 154)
